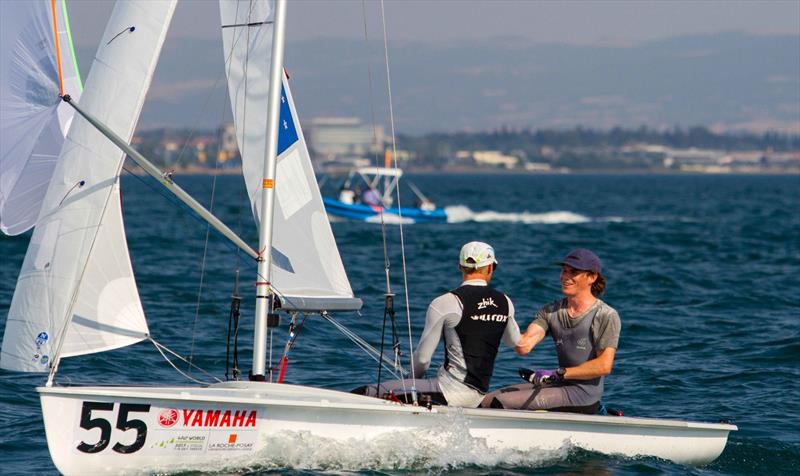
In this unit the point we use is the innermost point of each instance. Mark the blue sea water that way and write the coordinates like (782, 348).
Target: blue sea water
(702, 269)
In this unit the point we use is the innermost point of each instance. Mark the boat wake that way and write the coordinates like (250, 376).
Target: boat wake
(447, 446)
(461, 214)
(390, 219)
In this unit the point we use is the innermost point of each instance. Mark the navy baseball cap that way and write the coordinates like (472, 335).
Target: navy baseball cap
(582, 259)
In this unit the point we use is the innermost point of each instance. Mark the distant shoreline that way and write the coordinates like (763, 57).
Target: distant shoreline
(476, 171)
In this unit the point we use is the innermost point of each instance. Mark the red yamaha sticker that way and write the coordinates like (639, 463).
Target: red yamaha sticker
(168, 417)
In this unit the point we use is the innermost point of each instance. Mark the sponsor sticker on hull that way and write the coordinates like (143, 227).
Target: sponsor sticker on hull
(240, 441)
(200, 429)
(127, 428)
(182, 443)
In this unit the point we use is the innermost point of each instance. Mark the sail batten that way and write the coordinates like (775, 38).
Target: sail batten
(77, 261)
(301, 230)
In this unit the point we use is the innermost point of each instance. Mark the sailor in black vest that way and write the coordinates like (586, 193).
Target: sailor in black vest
(473, 319)
(586, 333)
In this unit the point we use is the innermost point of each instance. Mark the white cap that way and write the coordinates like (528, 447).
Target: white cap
(476, 254)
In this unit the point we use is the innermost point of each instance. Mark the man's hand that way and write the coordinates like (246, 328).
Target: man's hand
(527, 341)
(540, 377)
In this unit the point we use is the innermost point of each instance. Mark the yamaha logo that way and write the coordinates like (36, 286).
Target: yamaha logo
(168, 417)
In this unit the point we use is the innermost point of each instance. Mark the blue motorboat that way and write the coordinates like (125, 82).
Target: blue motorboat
(366, 195)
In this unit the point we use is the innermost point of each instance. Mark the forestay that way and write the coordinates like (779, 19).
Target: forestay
(307, 270)
(77, 263)
(33, 122)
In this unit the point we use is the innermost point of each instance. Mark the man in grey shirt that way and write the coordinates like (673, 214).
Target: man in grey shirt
(586, 333)
(473, 319)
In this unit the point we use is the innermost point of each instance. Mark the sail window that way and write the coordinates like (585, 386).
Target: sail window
(292, 189)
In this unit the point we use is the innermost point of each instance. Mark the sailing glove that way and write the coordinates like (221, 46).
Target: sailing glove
(540, 377)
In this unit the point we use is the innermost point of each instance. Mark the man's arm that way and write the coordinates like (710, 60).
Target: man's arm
(598, 367)
(532, 336)
(434, 322)
(511, 334)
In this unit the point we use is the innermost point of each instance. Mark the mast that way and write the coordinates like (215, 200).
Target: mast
(264, 296)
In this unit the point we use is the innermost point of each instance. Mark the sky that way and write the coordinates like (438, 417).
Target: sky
(459, 26)
(576, 22)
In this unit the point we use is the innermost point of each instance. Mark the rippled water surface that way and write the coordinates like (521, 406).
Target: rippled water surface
(702, 269)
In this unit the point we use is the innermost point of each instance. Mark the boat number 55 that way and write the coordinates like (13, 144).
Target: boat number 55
(124, 423)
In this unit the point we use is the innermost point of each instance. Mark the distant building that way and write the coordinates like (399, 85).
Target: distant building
(228, 147)
(336, 138)
(538, 167)
(493, 158)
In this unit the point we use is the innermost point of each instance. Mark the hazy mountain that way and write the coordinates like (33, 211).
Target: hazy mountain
(727, 81)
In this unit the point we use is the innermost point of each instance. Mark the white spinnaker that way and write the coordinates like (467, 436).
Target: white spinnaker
(33, 121)
(307, 269)
(77, 262)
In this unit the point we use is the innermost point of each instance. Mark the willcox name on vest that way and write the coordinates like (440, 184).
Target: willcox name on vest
(489, 317)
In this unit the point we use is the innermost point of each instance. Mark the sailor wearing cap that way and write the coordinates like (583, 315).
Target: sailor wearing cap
(473, 319)
(586, 333)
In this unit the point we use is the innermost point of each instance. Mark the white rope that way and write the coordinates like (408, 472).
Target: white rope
(400, 213)
(398, 371)
(214, 180)
(386, 263)
(161, 348)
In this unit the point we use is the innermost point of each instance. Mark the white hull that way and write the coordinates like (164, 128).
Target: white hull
(228, 425)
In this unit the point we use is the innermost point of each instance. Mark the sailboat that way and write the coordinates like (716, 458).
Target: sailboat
(76, 293)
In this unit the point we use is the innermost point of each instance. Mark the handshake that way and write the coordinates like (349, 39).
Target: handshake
(541, 378)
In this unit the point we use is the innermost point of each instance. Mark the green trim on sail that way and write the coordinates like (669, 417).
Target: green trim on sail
(71, 46)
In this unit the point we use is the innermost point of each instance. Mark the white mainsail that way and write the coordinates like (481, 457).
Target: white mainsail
(33, 121)
(77, 271)
(307, 269)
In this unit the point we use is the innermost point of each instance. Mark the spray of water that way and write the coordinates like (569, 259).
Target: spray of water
(461, 213)
(448, 446)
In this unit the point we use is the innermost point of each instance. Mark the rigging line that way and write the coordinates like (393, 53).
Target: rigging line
(400, 213)
(179, 204)
(71, 45)
(386, 263)
(194, 128)
(235, 314)
(203, 262)
(396, 370)
(161, 348)
(58, 50)
(208, 229)
(290, 341)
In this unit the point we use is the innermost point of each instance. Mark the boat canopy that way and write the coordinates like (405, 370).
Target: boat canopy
(380, 171)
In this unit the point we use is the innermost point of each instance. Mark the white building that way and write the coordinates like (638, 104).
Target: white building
(493, 158)
(333, 138)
